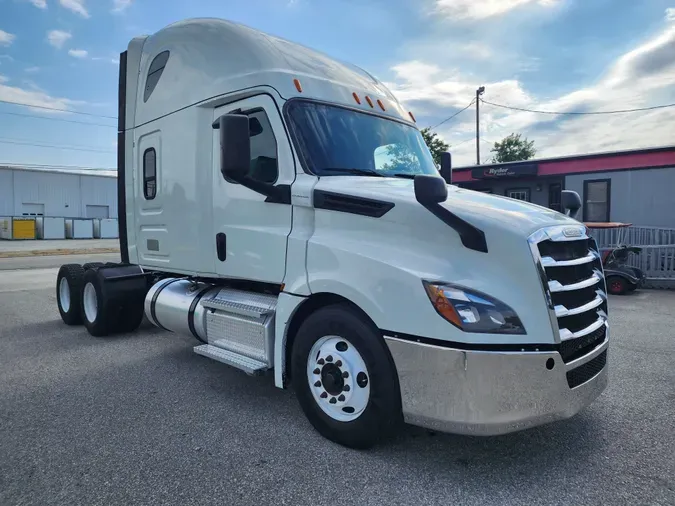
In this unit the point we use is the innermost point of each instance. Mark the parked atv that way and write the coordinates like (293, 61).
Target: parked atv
(619, 277)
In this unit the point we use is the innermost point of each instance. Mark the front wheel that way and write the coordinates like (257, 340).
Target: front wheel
(344, 377)
(616, 285)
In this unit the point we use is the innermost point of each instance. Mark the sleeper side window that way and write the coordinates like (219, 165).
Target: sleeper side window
(264, 160)
(154, 73)
(149, 173)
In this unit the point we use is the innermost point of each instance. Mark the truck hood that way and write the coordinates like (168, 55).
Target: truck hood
(477, 208)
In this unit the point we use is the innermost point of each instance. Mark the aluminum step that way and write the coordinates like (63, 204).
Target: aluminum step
(248, 365)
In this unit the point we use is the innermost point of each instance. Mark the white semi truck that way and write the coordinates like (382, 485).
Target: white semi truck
(282, 208)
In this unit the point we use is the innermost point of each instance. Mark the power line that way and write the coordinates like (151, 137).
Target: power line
(19, 142)
(579, 113)
(56, 109)
(56, 119)
(457, 113)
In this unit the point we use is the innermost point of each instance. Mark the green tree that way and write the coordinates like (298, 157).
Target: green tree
(512, 149)
(435, 144)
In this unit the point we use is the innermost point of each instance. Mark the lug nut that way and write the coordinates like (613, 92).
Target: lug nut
(338, 363)
(317, 384)
(320, 361)
(332, 400)
(329, 358)
(317, 371)
(346, 388)
(323, 395)
(341, 398)
(345, 374)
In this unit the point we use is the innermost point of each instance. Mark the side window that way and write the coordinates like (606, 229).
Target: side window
(396, 158)
(154, 73)
(264, 163)
(149, 173)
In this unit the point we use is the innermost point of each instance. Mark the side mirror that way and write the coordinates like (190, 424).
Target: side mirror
(446, 167)
(235, 145)
(430, 189)
(571, 202)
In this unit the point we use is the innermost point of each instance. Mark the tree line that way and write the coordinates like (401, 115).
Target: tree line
(511, 148)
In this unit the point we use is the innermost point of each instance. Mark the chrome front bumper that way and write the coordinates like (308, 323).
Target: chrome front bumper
(489, 393)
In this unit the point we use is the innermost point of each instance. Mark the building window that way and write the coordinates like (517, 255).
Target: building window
(149, 174)
(555, 196)
(519, 194)
(264, 166)
(597, 200)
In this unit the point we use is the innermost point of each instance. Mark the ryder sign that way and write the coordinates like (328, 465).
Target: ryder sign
(496, 172)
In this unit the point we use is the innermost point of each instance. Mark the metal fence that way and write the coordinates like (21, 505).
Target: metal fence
(657, 258)
(634, 236)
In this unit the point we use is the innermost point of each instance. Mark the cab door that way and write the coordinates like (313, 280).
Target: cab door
(250, 234)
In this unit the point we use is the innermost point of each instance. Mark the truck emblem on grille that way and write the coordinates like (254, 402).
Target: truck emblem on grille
(572, 232)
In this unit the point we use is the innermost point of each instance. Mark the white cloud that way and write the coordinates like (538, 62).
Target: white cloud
(40, 4)
(109, 60)
(77, 6)
(3, 79)
(33, 97)
(6, 57)
(78, 53)
(482, 9)
(121, 5)
(32, 70)
(670, 14)
(6, 39)
(642, 77)
(58, 38)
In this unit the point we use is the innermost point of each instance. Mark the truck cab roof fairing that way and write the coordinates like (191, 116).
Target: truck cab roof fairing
(214, 57)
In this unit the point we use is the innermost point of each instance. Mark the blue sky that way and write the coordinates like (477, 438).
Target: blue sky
(562, 55)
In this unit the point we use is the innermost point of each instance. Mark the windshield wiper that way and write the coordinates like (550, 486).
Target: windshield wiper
(355, 171)
(403, 175)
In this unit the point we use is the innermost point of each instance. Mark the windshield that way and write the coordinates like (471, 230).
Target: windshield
(333, 141)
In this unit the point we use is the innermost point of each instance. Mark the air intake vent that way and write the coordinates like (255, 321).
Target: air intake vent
(351, 204)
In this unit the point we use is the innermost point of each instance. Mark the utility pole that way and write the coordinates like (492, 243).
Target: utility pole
(479, 92)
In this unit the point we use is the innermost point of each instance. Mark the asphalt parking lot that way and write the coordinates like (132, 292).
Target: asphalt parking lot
(141, 419)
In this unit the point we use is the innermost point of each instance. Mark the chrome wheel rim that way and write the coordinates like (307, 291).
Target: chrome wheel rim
(64, 294)
(90, 302)
(338, 378)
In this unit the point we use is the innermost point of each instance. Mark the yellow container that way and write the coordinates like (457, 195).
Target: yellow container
(24, 228)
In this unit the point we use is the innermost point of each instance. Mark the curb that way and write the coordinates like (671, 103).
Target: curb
(55, 252)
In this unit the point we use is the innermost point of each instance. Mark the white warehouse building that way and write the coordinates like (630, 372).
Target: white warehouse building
(57, 192)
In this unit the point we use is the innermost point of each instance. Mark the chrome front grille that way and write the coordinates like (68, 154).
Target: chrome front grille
(570, 269)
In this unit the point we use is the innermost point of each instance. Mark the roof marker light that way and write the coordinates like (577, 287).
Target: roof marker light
(379, 102)
(298, 86)
(370, 102)
(356, 97)
(412, 117)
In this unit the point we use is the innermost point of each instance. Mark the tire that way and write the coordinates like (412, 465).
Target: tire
(616, 285)
(68, 292)
(372, 418)
(92, 265)
(98, 315)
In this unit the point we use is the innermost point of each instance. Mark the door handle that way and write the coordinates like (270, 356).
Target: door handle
(221, 243)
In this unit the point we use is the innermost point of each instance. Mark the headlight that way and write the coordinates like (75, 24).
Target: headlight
(473, 311)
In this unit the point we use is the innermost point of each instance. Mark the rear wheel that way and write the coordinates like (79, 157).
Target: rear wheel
(92, 265)
(97, 314)
(68, 292)
(616, 285)
(344, 377)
